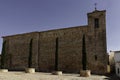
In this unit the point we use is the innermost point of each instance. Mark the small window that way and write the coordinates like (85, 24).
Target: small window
(95, 57)
(96, 23)
(118, 71)
(108, 63)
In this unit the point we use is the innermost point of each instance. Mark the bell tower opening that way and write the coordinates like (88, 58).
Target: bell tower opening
(96, 23)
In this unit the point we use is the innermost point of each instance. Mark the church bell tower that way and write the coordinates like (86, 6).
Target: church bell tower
(97, 31)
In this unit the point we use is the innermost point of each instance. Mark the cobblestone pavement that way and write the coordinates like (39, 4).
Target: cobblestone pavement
(48, 76)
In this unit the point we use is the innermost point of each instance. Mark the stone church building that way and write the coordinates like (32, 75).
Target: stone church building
(69, 49)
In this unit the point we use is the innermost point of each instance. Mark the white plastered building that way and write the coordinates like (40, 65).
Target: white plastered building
(117, 62)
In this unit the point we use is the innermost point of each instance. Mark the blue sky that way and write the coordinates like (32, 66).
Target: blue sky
(22, 16)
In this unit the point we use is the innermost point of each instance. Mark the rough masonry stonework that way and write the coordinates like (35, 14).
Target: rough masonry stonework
(69, 49)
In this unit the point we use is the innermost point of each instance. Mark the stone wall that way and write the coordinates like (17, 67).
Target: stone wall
(18, 50)
(69, 49)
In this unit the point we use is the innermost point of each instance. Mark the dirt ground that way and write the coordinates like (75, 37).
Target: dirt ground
(12, 75)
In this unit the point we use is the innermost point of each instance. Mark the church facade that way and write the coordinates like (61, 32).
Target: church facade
(69, 47)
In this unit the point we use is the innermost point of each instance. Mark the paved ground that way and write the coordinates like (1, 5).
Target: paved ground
(48, 76)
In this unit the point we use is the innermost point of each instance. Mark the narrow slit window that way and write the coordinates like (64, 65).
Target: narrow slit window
(95, 57)
(96, 23)
(118, 70)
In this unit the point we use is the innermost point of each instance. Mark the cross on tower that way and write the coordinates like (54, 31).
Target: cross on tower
(95, 6)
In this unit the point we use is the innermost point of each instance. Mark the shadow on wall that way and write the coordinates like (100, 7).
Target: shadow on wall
(112, 77)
